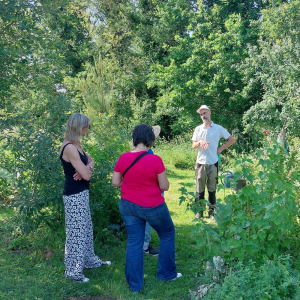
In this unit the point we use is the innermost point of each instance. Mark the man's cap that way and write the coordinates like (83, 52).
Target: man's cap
(156, 130)
(202, 107)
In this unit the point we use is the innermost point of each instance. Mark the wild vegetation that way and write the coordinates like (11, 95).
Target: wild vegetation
(127, 62)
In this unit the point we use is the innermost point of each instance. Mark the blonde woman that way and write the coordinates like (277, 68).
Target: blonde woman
(78, 165)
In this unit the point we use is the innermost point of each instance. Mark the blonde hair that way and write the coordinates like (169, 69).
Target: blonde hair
(74, 127)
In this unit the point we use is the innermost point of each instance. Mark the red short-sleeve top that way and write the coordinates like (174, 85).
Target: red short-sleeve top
(140, 184)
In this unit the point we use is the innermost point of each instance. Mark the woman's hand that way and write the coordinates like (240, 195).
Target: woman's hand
(77, 176)
(82, 171)
(90, 162)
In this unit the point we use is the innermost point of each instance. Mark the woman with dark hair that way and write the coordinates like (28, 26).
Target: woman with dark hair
(142, 177)
(78, 165)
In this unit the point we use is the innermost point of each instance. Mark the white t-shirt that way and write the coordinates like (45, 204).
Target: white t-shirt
(211, 135)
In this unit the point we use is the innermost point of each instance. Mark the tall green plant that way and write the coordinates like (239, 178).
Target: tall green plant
(32, 160)
(256, 221)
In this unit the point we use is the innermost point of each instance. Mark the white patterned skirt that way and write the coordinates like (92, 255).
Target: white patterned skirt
(79, 247)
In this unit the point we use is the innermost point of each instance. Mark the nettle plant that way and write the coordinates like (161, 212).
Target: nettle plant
(255, 222)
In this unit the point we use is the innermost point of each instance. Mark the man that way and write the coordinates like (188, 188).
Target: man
(206, 139)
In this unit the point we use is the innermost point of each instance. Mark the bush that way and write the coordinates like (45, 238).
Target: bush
(104, 198)
(272, 280)
(178, 152)
(7, 183)
(256, 221)
(39, 179)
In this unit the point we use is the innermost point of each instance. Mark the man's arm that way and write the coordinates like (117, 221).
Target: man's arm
(202, 143)
(229, 142)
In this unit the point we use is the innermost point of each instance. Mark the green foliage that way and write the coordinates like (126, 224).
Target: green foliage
(270, 280)
(104, 198)
(6, 185)
(178, 152)
(277, 53)
(95, 86)
(70, 21)
(135, 35)
(39, 178)
(256, 221)
(203, 67)
(7, 181)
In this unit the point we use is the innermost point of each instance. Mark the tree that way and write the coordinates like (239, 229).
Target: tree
(70, 21)
(204, 66)
(136, 34)
(33, 108)
(275, 66)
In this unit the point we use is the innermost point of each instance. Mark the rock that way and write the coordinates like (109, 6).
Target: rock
(219, 264)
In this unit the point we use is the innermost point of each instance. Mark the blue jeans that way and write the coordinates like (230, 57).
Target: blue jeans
(148, 230)
(135, 218)
(147, 236)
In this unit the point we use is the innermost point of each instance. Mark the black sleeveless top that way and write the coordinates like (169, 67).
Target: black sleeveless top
(73, 186)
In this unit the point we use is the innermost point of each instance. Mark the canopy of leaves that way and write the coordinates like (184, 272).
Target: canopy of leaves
(129, 61)
(274, 63)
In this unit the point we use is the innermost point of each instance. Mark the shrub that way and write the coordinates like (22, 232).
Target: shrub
(178, 152)
(272, 280)
(39, 178)
(7, 183)
(256, 221)
(104, 198)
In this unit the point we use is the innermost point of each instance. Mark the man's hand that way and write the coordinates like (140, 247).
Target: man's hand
(204, 144)
(201, 143)
(229, 142)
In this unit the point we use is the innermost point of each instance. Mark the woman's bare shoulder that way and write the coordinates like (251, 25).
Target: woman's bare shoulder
(69, 147)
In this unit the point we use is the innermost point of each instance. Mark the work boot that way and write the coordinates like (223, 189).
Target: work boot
(211, 212)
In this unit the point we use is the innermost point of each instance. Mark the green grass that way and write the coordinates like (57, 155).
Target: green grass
(27, 273)
(32, 267)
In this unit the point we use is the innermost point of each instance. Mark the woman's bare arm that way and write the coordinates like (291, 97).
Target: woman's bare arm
(90, 161)
(117, 179)
(72, 155)
(163, 181)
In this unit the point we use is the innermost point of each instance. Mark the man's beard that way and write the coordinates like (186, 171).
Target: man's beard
(206, 120)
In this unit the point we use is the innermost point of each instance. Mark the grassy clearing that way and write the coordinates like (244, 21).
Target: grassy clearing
(32, 267)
